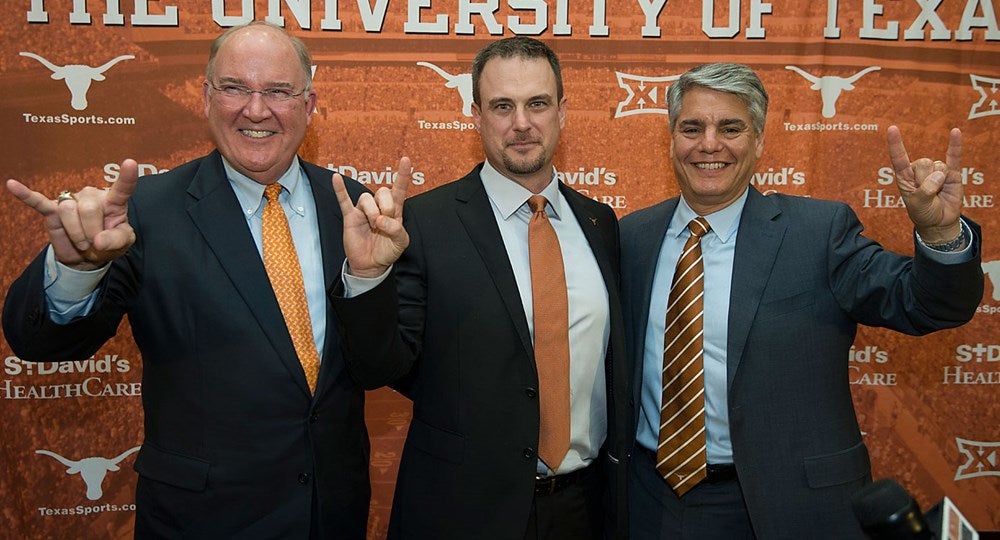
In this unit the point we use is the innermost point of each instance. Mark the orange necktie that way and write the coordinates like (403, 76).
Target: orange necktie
(282, 264)
(680, 455)
(551, 324)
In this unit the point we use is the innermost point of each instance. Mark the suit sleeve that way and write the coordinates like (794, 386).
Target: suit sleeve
(915, 295)
(34, 336)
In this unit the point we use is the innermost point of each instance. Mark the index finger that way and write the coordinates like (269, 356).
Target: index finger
(897, 152)
(122, 189)
(402, 182)
(31, 198)
(953, 158)
(343, 198)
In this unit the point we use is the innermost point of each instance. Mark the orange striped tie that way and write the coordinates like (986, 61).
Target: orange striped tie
(680, 454)
(551, 323)
(282, 264)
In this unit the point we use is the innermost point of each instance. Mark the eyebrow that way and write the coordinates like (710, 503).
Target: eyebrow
(721, 123)
(241, 82)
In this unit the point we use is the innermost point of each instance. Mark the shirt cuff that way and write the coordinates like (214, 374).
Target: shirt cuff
(69, 293)
(356, 286)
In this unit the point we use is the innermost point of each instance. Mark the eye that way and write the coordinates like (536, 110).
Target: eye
(278, 94)
(538, 104)
(233, 90)
(691, 131)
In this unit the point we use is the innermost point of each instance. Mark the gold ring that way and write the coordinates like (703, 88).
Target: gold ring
(65, 196)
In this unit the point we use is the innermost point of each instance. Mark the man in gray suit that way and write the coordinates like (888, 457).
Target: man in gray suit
(786, 282)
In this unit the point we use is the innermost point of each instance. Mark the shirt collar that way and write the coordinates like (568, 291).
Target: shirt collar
(250, 193)
(724, 222)
(508, 196)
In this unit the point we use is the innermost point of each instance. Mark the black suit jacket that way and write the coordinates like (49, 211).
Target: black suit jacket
(235, 446)
(459, 347)
(803, 279)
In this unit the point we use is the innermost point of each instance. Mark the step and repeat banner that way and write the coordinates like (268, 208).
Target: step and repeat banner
(86, 84)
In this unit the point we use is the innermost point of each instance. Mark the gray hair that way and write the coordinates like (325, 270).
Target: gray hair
(305, 59)
(515, 47)
(736, 79)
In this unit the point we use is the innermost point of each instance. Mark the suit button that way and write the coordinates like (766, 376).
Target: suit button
(313, 418)
(34, 317)
(529, 452)
(530, 392)
(303, 478)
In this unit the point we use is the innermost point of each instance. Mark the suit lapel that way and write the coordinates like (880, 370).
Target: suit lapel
(642, 259)
(592, 230)
(757, 246)
(476, 214)
(216, 212)
(331, 237)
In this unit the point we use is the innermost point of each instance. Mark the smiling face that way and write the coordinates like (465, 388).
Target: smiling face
(714, 149)
(519, 117)
(259, 137)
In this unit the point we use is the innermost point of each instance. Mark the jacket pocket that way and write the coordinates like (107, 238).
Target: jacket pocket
(436, 442)
(839, 467)
(173, 469)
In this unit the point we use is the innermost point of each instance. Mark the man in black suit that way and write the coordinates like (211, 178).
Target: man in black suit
(238, 442)
(451, 325)
(786, 282)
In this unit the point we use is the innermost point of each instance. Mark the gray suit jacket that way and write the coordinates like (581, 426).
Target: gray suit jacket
(803, 279)
(235, 446)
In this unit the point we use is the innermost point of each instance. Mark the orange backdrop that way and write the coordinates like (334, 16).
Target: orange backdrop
(392, 77)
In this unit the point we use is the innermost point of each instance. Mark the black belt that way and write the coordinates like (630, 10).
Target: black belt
(714, 473)
(547, 485)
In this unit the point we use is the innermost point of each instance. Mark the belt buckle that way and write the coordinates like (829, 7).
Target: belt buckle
(545, 485)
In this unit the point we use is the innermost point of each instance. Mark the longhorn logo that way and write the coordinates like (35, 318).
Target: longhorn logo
(830, 86)
(462, 81)
(91, 469)
(78, 77)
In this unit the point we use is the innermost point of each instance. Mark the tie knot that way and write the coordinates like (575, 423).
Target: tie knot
(699, 227)
(537, 203)
(272, 191)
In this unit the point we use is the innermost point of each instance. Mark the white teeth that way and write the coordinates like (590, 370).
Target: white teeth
(256, 134)
(710, 166)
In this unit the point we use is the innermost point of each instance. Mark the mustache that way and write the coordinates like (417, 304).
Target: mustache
(522, 139)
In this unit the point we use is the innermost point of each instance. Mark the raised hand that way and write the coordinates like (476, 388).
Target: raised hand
(931, 190)
(374, 236)
(91, 228)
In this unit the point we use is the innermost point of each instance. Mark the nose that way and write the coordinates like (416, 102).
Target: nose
(256, 108)
(521, 122)
(710, 141)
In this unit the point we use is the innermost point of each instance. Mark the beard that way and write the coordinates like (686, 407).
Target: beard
(523, 166)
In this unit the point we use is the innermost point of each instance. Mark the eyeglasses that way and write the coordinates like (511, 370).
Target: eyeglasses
(235, 95)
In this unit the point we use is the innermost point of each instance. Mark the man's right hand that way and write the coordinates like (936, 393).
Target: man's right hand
(91, 229)
(374, 236)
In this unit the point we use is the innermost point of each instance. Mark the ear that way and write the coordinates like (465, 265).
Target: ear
(759, 150)
(205, 96)
(562, 111)
(311, 102)
(477, 116)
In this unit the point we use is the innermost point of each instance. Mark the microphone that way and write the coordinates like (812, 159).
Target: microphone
(887, 512)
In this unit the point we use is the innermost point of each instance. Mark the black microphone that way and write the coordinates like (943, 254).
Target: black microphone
(887, 512)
